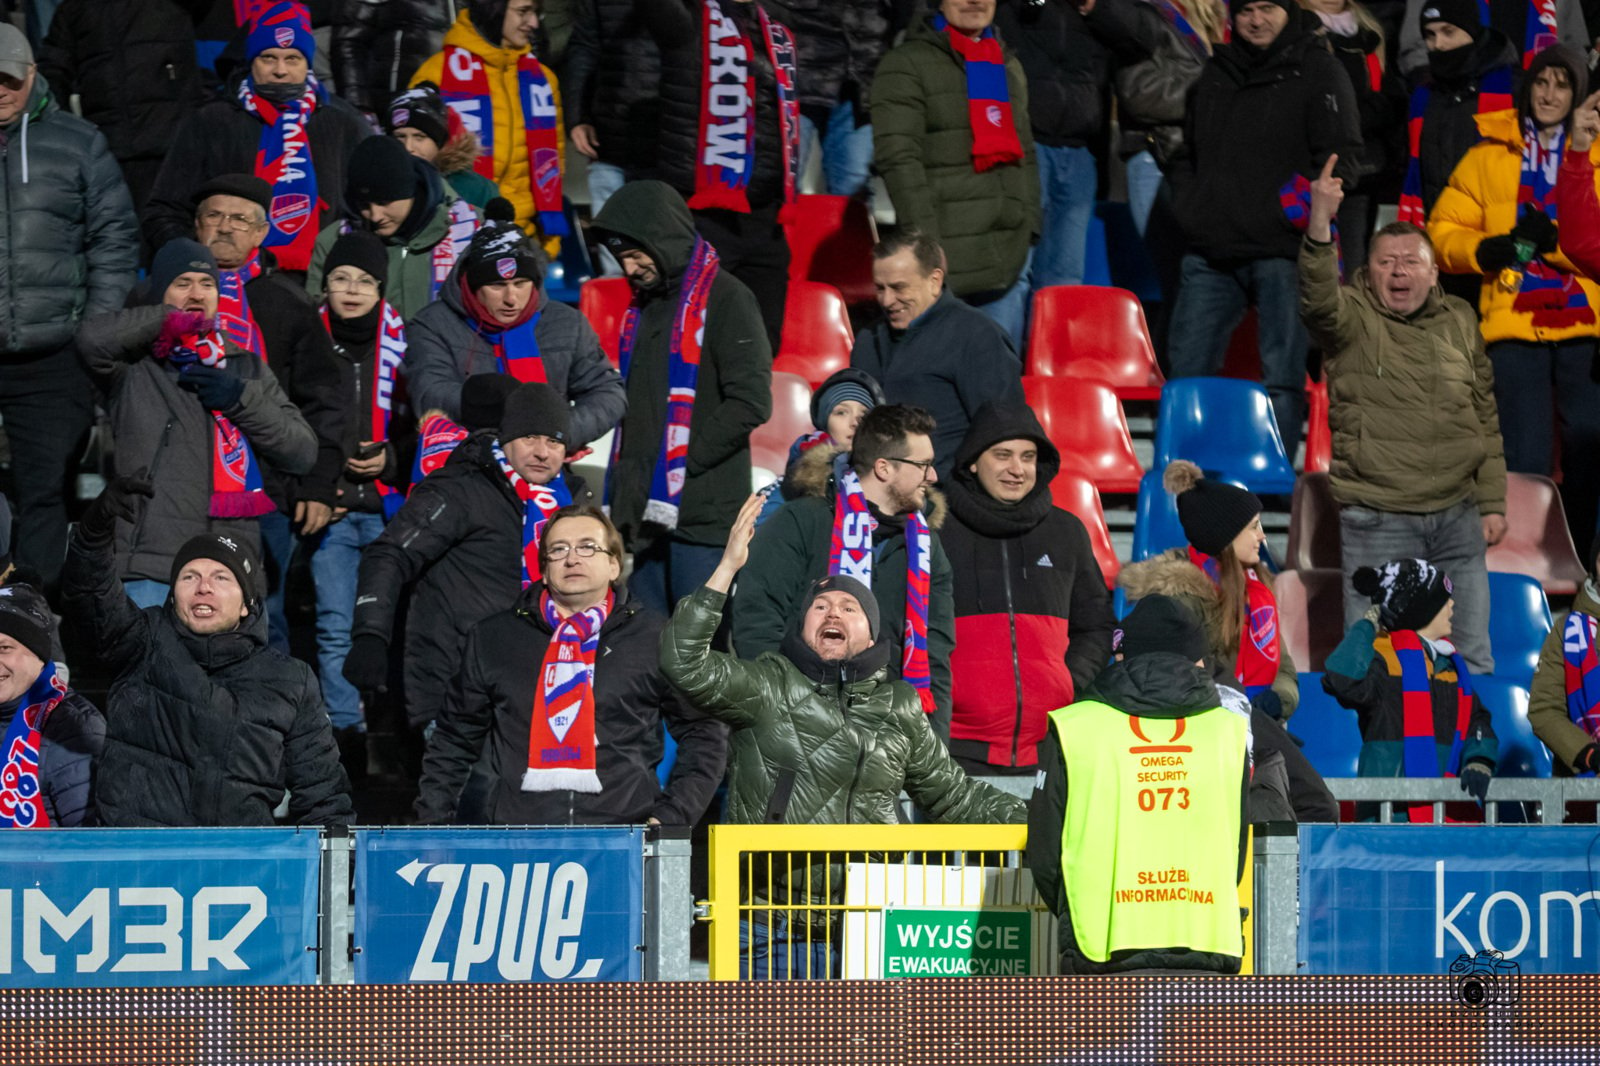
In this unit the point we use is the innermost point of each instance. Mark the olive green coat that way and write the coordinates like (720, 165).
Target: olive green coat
(1547, 702)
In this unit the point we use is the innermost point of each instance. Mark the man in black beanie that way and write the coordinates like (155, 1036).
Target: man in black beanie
(1138, 812)
(207, 725)
(425, 227)
(1514, 23)
(494, 316)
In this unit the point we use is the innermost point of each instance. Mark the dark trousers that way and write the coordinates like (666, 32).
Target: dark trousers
(48, 407)
(752, 248)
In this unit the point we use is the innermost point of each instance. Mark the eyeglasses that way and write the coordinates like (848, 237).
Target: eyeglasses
(217, 218)
(926, 465)
(366, 285)
(587, 550)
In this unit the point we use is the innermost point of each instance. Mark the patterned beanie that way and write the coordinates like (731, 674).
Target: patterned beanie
(1408, 592)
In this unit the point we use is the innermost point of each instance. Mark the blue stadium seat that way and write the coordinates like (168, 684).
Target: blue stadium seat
(1518, 624)
(1521, 753)
(564, 278)
(1155, 523)
(1225, 427)
(1332, 740)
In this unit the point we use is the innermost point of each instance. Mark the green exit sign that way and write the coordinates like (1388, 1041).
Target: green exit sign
(991, 943)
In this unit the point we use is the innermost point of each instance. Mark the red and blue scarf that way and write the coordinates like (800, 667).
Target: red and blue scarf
(994, 130)
(539, 502)
(850, 553)
(437, 437)
(465, 88)
(561, 730)
(1582, 672)
(683, 377)
(464, 223)
(236, 487)
(1539, 29)
(1178, 19)
(516, 350)
(21, 790)
(1552, 297)
(233, 306)
(283, 160)
(1420, 747)
(1259, 654)
(388, 352)
(1494, 94)
(727, 141)
(1294, 197)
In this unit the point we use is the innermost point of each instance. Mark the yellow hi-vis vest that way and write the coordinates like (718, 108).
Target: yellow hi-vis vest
(1150, 840)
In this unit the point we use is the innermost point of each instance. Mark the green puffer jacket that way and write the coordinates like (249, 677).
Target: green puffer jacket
(851, 743)
(922, 144)
(1410, 398)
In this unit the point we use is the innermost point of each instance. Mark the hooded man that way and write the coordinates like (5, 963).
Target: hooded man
(1031, 603)
(698, 373)
(276, 122)
(1527, 26)
(493, 316)
(403, 201)
(207, 726)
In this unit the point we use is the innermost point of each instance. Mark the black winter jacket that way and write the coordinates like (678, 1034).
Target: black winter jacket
(950, 361)
(610, 81)
(1449, 125)
(491, 703)
(1068, 56)
(200, 730)
(1157, 685)
(354, 345)
(1256, 119)
(733, 395)
(443, 350)
(379, 44)
(70, 243)
(1152, 93)
(1033, 615)
(839, 45)
(70, 743)
(1382, 111)
(459, 537)
(222, 138)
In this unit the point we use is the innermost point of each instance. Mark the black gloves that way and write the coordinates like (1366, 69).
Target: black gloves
(1497, 253)
(1268, 703)
(117, 500)
(1536, 228)
(1475, 779)
(367, 665)
(1587, 762)
(218, 389)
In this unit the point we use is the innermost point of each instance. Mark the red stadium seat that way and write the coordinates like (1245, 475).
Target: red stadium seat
(1538, 542)
(830, 240)
(1319, 436)
(816, 332)
(1076, 494)
(1087, 331)
(791, 416)
(1313, 526)
(603, 302)
(1085, 422)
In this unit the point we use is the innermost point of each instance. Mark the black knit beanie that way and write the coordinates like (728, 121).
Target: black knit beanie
(500, 250)
(1463, 14)
(177, 257)
(26, 619)
(1212, 512)
(535, 408)
(230, 552)
(846, 583)
(1161, 624)
(379, 172)
(1408, 592)
(483, 399)
(420, 108)
(362, 250)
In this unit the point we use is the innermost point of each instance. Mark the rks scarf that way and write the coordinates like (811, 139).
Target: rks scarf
(466, 89)
(850, 553)
(1553, 297)
(1539, 29)
(463, 224)
(516, 347)
(233, 306)
(388, 351)
(283, 160)
(1258, 660)
(1494, 94)
(539, 502)
(236, 488)
(437, 437)
(994, 131)
(1582, 671)
(683, 377)
(1295, 199)
(1421, 753)
(561, 730)
(728, 110)
(21, 790)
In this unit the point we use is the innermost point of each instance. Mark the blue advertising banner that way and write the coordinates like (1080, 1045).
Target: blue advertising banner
(1401, 899)
(493, 905)
(95, 908)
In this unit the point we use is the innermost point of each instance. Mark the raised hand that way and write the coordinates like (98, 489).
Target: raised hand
(1327, 193)
(737, 552)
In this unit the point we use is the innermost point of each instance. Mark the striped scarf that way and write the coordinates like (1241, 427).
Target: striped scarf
(388, 352)
(683, 376)
(727, 141)
(994, 130)
(437, 437)
(236, 487)
(21, 789)
(283, 160)
(1295, 200)
(1552, 297)
(539, 502)
(850, 553)
(1421, 751)
(1582, 672)
(559, 755)
(1494, 94)
(233, 306)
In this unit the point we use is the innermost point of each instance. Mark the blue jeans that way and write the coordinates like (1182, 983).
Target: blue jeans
(846, 151)
(277, 548)
(1010, 309)
(333, 569)
(668, 570)
(768, 953)
(146, 593)
(1066, 195)
(1212, 301)
(604, 179)
(1144, 178)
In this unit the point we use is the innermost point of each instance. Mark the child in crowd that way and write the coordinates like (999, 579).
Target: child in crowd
(837, 406)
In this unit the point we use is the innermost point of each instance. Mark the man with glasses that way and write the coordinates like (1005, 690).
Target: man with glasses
(469, 537)
(264, 312)
(876, 524)
(564, 692)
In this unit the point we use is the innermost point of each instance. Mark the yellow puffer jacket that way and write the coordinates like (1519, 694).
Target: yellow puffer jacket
(510, 143)
(1481, 201)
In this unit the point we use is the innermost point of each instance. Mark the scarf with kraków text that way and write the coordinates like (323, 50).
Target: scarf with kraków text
(539, 502)
(21, 788)
(233, 306)
(561, 730)
(283, 160)
(727, 140)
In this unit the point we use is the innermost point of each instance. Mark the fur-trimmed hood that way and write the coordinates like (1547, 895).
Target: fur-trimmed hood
(812, 475)
(1172, 574)
(459, 153)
